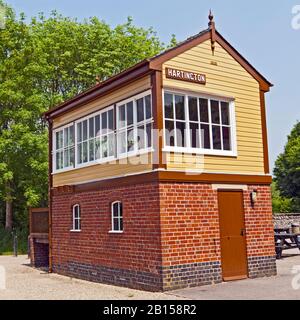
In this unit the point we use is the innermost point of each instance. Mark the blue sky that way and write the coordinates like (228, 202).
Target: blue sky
(259, 30)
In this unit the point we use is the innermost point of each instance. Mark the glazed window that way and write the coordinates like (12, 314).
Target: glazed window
(175, 120)
(117, 216)
(112, 133)
(198, 124)
(64, 148)
(126, 128)
(76, 218)
(95, 138)
(134, 125)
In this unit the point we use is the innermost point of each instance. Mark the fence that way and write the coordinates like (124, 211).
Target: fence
(285, 220)
(39, 221)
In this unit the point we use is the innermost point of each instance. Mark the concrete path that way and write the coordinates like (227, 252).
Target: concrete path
(23, 282)
(279, 287)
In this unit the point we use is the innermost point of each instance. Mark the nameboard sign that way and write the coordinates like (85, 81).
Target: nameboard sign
(185, 76)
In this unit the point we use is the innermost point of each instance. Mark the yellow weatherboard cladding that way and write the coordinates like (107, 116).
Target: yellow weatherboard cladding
(224, 77)
(109, 170)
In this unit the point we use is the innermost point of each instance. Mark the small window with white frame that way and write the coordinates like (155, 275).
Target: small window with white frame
(117, 216)
(76, 218)
(64, 148)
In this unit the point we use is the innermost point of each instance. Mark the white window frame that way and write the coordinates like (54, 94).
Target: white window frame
(54, 150)
(119, 217)
(202, 151)
(96, 161)
(116, 155)
(76, 218)
(136, 124)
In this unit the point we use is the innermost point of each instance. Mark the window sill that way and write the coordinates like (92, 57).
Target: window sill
(105, 161)
(118, 232)
(76, 231)
(134, 153)
(219, 153)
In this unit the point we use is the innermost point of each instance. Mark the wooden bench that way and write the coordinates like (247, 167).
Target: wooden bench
(285, 241)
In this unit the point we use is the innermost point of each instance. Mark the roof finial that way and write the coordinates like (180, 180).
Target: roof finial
(210, 17)
(211, 22)
(212, 27)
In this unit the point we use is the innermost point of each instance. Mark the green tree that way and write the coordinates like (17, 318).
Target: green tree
(280, 204)
(23, 139)
(43, 63)
(287, 168)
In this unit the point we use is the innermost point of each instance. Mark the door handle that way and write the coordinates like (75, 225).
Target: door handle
(243, 232)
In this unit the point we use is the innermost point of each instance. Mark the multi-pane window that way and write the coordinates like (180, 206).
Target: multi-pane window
(197, 123)
(95, 138)
(220, 125)
(144, 122)
(76, 218)
(126, 128)
(64, 148)
(135, 125)
(117, 216)
(175, 120)
(105, 135)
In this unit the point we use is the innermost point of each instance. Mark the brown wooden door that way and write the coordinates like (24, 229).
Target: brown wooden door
(232, 229)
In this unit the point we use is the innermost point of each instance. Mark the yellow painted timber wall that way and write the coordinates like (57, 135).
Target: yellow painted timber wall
(136, 87)
(228, 78)
(106, 170)
(97, 172)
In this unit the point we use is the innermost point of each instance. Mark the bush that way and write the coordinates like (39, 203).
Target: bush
(280, 203)
(6, 241)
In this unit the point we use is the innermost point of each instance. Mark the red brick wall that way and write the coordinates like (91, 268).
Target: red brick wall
(259, 222)
(171, 235)
(189, 223)
(138, 248)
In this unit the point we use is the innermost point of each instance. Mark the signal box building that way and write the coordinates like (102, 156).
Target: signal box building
(159, 176)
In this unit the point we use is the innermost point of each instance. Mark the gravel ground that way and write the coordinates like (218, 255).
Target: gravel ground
(26, 283)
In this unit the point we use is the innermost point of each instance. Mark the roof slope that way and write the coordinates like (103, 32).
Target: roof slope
(155, 63)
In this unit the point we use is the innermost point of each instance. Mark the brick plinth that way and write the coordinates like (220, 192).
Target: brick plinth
(123, 277)
(39, 252)
(171, 235)
(262, 267)
(94, 253)
(191, 275)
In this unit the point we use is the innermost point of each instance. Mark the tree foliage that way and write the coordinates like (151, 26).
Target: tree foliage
(287, 168)
(42, 63)
(280, 203)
